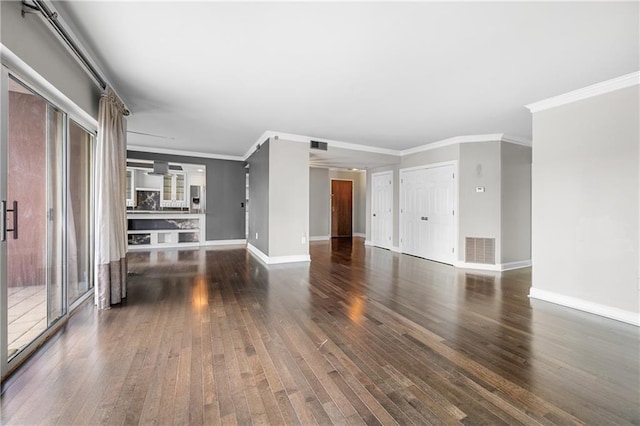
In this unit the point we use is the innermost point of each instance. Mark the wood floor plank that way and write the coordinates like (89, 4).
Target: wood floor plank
(360, 335)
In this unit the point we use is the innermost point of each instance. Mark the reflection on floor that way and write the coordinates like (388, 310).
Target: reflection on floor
(27, 315)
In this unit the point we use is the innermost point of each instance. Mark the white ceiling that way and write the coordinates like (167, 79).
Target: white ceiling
(212, 77)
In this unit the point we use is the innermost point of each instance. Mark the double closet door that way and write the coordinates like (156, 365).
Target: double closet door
(427, 216)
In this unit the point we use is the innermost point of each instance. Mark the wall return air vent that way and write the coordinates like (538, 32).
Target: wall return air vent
(480, 250)
(319, 145)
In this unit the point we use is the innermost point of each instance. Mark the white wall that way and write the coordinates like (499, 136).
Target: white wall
(288, 198)
(319, 202)
(515, 215)
(479, 212)
(586, 204)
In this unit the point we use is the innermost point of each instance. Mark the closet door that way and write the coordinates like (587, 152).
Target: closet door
(439, 211)
(427, 219)
(382, 209)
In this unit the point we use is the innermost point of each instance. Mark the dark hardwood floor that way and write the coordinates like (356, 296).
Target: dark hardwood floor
(360, 335)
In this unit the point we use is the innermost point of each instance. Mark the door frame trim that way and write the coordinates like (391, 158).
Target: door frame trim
(352, 205)
(373, 175)
(456, 202)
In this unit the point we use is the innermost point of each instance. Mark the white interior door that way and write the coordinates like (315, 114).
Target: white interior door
(410, 212)
(382, 209)
(440, 214)
(427, 220)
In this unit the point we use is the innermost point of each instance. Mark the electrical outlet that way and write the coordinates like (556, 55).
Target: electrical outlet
(256, 235)
(303, 240)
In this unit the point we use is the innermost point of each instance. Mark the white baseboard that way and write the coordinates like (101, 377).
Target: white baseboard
(586, 306)
(359, 234)
(273, 260)
(515, 265)
(477, 266)
(391, 248)
(224, 242)
(320, 238)
(500, 267)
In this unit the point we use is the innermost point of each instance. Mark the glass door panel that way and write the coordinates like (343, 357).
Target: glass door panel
(179, 187)
(79, 212)
(35, 136)
(167, 185)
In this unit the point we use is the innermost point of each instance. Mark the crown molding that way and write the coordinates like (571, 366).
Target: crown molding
(516, 140)
(618, 83)
(307, 139)
(495, 137)
(254, 146)
(183, 153)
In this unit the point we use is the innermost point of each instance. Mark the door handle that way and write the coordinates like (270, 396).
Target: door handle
(4, 230)
(424, 218)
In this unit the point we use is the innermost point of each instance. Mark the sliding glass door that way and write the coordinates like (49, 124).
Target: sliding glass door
(79, 212)
(46, 218)
(32, 214)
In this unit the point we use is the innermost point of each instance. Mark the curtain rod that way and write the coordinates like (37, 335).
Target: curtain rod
(52, 19)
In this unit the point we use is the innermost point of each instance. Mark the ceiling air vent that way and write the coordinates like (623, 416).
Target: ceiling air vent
(319, 145)
(480, 250)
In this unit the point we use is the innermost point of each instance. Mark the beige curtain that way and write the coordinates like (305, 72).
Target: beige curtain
(111, 219)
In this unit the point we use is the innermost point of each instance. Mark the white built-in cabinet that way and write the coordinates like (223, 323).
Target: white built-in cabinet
(173, 191)
(172, 187)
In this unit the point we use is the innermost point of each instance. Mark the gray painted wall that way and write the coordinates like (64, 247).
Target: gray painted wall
(586, 199)
(319, 202)
(259, 198)
(225, 192)
(516, 202)
(288, 198)
(359, 179)
(438, 155)
(35, 44)
(479, 165)
(479, 214)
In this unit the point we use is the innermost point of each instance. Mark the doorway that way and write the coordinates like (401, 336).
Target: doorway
(382, 209)
(427, 212)
(341, 208)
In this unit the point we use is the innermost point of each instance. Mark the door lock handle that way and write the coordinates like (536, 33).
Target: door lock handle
(3, 227)
(424, 218)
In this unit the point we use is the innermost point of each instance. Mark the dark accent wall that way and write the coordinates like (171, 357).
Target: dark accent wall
(225, 193)
(259, 199)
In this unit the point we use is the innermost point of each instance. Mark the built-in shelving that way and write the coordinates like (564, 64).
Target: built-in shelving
(153, 230)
